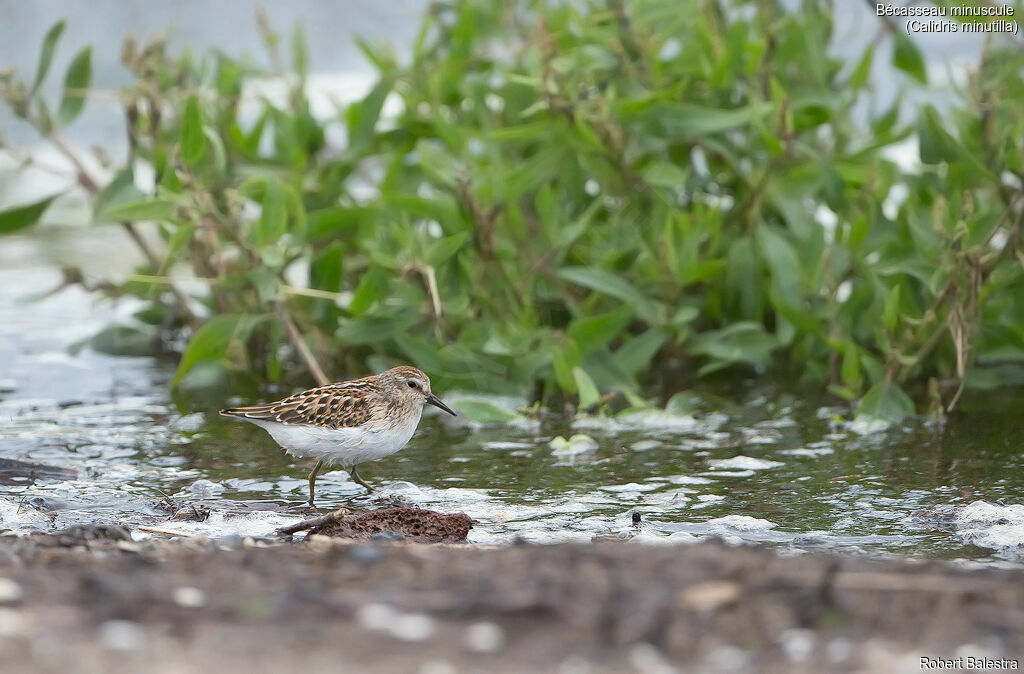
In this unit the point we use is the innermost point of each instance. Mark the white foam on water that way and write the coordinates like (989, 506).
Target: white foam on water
(204, 488)
(734, 523)
(502, 445)
(992, 526)
(629, 487)
(864, 425)
(808, 452)
(16, 517)
(651, 420)
(221, 524)
(742, 462)
(648, 538)
(730, 473)
(688, 479)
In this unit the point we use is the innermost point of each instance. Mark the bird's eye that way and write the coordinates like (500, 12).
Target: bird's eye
(412, 384)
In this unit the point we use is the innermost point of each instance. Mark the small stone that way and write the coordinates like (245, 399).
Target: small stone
(375, 616)
(129, 546)
(366, 554)
(484, 637)
(122, 635)
(189, 597)
(10, 592)
(797, 644)
(647, 658)
(710, 595)
(413, 627)
(437, 667)
(231, 542)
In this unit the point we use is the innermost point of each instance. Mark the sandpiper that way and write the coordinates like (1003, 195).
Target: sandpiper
(349, 422)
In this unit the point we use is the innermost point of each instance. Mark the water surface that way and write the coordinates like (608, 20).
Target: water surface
(99, 439)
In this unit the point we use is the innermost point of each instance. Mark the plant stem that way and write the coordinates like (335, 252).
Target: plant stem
(300, 345)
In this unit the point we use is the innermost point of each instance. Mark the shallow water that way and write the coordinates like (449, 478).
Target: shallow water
(754, 464)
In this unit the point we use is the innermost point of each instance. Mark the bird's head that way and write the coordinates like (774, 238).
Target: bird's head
(412, 385)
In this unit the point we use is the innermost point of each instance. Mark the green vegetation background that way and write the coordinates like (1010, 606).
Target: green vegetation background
(576, 201)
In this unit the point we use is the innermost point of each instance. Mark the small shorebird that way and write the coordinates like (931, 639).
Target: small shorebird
(347, 423)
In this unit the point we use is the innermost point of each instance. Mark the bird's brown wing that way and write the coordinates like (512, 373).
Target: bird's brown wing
(341, 405)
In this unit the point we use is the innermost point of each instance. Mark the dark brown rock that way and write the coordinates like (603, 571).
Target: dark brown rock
(415, 524)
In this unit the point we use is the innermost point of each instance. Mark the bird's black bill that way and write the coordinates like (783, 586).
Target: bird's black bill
(436, 402)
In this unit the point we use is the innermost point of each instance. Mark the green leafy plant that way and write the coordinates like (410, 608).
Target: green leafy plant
(573, 200)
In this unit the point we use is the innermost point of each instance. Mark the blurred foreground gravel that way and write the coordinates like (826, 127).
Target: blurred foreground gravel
(93, 603)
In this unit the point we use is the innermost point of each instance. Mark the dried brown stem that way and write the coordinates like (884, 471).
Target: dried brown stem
(313, 522)
(300, 345)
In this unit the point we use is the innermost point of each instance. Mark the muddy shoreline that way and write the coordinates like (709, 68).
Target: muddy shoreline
(96, 603)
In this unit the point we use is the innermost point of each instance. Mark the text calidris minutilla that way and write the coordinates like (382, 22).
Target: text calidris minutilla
(347, 423)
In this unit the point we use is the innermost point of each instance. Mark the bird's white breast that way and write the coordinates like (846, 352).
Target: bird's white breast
(345, 446)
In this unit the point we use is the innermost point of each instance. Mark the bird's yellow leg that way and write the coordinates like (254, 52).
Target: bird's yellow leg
(359, 480)
(312, 479)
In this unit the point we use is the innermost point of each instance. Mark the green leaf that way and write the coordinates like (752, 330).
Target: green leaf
(300, 50)
(785, 270)
(594, 332)
(148, 209)
(688, 121)
(325, 273)
(126, 340)
(377, 53)
(887, 401)
(444, 248)
(21, 217)
(664, 174)
(783, 262)
(637, 354)
(46, 55)
(273, 222)
(220, 157)
(907, 57)
(372, 288)
(372, 329)
(484, 412)
(608, 283)
(76, 85)
(588, 392)
(192, 139)
(120, 190)
(420, 352)
(860, 74)
(741, 284)
(683, 315)
(934, 142)
(362, 117)
(682, 403)
(742, 342)
(564, 357)
(214, 341)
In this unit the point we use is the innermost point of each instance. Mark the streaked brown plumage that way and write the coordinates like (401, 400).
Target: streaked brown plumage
(342, 405)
